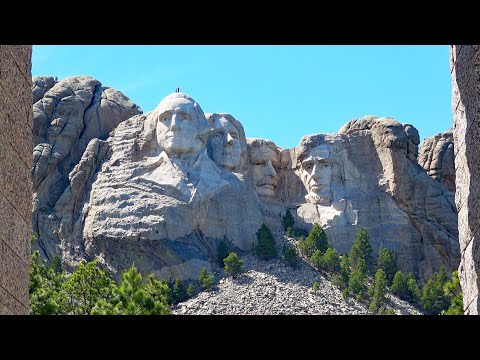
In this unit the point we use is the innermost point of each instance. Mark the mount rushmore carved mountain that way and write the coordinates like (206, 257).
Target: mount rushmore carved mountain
(162, 189)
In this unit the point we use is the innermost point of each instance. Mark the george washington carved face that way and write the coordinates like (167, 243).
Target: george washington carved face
(180, 125)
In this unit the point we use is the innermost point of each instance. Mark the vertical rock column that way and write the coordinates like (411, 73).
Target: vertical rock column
(465, 72)
(15, 183)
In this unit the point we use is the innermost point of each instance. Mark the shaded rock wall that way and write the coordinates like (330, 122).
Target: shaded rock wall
(465, 72)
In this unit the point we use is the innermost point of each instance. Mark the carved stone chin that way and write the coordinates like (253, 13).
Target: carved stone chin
(321, 199)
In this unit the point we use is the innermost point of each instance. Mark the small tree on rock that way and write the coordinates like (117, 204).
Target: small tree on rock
(288, 220)
(290, 255)
(233, 265)
(207, 280)
(453, 291)
(386, 262)
(379, 290)
(179, 293)
(331, 260)
(356, 283)
(190, 290)
(319, 238)
(361, 249)
(317, 259)
(266, 247)
(433, 295)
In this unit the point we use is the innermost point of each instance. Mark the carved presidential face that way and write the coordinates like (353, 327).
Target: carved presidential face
(263, 160)
(316, 175)
(179, 125)
(224, 145)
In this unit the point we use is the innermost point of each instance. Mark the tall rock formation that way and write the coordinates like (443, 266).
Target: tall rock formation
(166, 187)
(465, 71)
(437, 157)
(367, 176)
(67, 115)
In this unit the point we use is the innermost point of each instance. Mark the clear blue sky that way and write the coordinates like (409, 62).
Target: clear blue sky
(279, 93)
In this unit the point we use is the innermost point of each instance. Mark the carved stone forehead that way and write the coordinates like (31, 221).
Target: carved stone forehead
(180, 101)
(222, 122)
(322, 151)
(262, 150)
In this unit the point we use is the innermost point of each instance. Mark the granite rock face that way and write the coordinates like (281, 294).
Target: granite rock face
(465, 72)
(67, 114)
(367, 176)
(166, 187)
(437, 157)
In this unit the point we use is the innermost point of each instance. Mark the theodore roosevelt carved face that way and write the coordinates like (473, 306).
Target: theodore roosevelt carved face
(264, 159)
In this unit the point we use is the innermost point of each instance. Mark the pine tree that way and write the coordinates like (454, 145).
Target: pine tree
(413, 290)
(399, 285)
(190, 290)
(222, 252)
(56, 264)
(179, 293)
(341, 280)
(45, 291)
(266, 247)
(207, 280)
(317, 259)
(433, 296)
(315, 287)
(319, 238)
(379, 290)
(287, 220)
(290, 255)
(356, 284)
(331, 260)
(233, 265)
(85, 287)
(361, 249)
(386, 262)
(136, 297)
(453, 291)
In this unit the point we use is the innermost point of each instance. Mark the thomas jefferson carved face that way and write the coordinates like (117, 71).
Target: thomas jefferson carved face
(180, 124)
(264, 158)
(316, 175)
(224, 145)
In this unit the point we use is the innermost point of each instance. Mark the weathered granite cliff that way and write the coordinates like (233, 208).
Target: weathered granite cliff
(66, 116)
(166, 187)
(437, 157)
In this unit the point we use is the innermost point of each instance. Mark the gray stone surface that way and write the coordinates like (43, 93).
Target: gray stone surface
(67, 115)
(167, 186)
(465, 70)
(372, 180)
(437, 157)
(15, 184)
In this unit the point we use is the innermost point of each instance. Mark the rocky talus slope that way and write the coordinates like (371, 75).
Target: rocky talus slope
(274, 288)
